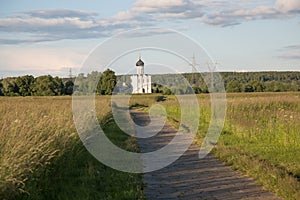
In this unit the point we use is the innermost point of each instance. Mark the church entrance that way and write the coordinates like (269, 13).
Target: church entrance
(143, 90)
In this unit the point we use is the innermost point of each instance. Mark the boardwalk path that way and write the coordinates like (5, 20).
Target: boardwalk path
(192, 178)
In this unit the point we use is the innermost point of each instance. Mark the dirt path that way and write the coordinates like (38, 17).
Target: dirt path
(192, 178)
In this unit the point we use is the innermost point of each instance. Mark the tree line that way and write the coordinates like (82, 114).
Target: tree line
(107, 81)
(250, 81)
(40, 86)
(54, 86)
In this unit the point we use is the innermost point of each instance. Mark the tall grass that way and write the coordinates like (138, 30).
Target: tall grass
(33, 132)
(261, 137)
(42, 157)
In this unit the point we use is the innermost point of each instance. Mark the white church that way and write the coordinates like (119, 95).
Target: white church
(141, 82)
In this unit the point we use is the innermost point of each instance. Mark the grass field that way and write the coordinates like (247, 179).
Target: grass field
(261, 137)
(41, 156)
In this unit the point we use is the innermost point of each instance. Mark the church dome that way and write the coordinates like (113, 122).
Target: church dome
(140, 63)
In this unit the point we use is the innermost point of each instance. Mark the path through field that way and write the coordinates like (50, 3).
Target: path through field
(192, 178)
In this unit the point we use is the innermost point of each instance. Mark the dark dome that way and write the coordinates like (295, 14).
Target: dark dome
(139, 63)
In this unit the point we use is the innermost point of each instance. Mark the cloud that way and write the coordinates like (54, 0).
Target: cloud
(291, 52)
(290, 56)
(60, 13)
(212, 12)
(235, 17)
(288, 6)
(21, 41)
(147, 33)
(30, 24)
(169, 9)
(51, 25)
(152, 6)
(291, 47)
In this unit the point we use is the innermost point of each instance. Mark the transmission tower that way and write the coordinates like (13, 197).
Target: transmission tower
(194, 64)
(70, 73)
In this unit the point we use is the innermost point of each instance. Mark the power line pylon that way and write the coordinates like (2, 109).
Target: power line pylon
(70, 73)
(194, 64)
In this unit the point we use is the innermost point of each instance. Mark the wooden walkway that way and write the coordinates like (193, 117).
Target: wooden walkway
(192, 178)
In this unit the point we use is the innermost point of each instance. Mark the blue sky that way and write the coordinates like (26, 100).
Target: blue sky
(49, 37)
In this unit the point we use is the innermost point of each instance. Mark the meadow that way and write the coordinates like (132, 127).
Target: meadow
(42, 157)
(261, 137)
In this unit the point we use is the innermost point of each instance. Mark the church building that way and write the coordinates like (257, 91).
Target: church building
(141, 82)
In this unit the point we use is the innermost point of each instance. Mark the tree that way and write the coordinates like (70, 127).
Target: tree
(257, 86)
(248, 88)
(69, 87)
(107, 82)
(197, 90)
(1, 88)
(47, 86)
(59, 87)
(167, 91)
(274, 86)
(25, 84)
(234, 86)
(81, 85)
(93, 80)
(9, 87)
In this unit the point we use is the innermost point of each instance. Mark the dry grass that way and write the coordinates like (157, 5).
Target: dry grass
(261, 138)
(33, 131)
(41, 153)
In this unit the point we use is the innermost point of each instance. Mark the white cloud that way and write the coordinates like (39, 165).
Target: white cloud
(60, 13)
(30, 24)
(158, 6)
(172, 15)
(51, 25)
(124, 15)
(260, 12)
(237, 16)
(286, 6)
(213, 12)
(45, 25)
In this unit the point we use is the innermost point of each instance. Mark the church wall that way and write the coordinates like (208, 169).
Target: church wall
(140, 82)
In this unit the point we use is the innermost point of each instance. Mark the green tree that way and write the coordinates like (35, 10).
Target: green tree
(25, 84)
(248, 88)
(234, 86)
(93, 81)
(107, 82)
(69, 87)
(167, 91)
(81, 85)
(47, 86)
(274, 86)
(59, 87)
(197, 90)
(257, 86)
(1, 88)
(9, 87)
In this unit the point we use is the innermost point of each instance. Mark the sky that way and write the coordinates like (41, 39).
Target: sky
(50, 37)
